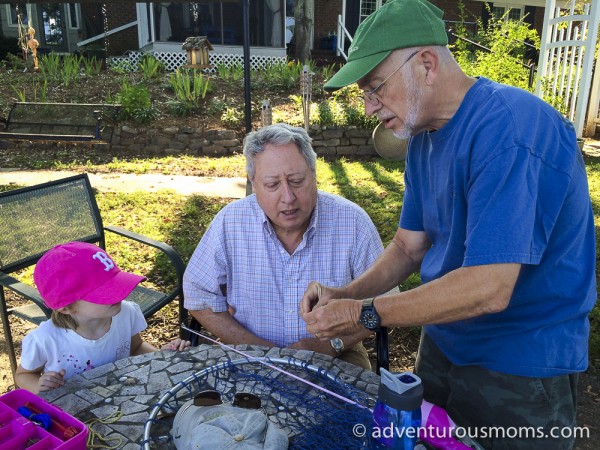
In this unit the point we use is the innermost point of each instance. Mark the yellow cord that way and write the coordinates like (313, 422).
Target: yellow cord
(94, 435)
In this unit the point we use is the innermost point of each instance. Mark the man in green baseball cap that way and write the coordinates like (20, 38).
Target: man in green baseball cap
(497, 218)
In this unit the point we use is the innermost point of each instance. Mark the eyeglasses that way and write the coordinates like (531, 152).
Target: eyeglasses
(371, 96)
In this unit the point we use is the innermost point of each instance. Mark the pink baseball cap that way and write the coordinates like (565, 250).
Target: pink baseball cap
(81, 271)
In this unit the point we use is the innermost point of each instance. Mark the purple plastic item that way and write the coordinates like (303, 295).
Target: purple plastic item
(17, 432)
(438, 428)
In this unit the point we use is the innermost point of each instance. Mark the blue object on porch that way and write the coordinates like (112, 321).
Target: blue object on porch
(329, 42)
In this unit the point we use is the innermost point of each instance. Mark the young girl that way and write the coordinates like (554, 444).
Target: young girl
(91, 325)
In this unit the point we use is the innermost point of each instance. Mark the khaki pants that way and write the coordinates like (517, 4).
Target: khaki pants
(357, 355)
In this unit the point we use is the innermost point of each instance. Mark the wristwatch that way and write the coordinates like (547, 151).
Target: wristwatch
(368, 315)
(338, 345)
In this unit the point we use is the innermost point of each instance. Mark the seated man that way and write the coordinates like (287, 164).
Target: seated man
(263, 250)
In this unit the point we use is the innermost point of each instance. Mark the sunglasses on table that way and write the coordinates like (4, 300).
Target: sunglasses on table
(241, 399)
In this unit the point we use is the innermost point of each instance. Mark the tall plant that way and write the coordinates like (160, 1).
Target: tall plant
(190, 89)
(506, 39)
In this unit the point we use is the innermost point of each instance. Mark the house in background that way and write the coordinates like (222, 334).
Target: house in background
(118, 27)
(114, 28)
(353, 12)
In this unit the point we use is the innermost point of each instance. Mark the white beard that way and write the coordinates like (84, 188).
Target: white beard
(413, 98)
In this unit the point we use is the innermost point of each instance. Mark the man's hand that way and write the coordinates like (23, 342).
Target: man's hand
(316, 296)
(336, 318)
(51, 380)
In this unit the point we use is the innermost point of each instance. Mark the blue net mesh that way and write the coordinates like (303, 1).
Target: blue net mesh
(312, 418)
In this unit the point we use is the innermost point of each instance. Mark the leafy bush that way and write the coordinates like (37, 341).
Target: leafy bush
(505, 62)
(136, 103)
(232, 117)
(215, 106)
(12, 61)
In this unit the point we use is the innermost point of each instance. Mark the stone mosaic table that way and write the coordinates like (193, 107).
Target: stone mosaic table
(133, 385)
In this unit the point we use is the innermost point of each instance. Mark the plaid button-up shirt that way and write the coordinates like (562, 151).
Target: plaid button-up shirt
(264, 282)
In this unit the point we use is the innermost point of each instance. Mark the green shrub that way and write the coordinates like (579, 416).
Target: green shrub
(151, 67)
(91, 66)
(135, 103)
(232, 117)
(12, 61)
(215, 106)
(505, 63)
(190, 88)
(179, 108)
(69, 69)
(50, 66)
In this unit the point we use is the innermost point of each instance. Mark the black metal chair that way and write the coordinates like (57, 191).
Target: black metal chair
(34, 219)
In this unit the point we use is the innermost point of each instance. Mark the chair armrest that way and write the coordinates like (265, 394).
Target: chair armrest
(165, 248)
(23, 290)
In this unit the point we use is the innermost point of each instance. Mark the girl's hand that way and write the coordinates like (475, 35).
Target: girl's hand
(51, 380)
(177, 345)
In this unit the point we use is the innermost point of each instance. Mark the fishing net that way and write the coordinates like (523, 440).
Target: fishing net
(312, 418)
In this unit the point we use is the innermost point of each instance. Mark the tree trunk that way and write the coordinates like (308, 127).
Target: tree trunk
(303, 18)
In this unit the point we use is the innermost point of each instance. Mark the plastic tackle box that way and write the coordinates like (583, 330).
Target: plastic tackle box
(17, 432)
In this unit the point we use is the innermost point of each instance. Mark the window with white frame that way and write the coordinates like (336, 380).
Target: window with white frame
(508, 12)
(368, 7)
(74, 12)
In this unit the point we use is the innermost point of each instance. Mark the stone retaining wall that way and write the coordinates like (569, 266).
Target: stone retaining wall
(327, 141)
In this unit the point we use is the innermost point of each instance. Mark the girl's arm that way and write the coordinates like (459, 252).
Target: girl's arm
(139, 346)
(35, 381)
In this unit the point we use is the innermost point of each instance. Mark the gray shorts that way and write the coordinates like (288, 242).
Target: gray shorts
(497, 410)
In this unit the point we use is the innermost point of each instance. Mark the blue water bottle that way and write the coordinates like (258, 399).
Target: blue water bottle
(397, 412)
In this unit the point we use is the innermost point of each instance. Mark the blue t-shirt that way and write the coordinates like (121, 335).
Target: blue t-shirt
(504, 182)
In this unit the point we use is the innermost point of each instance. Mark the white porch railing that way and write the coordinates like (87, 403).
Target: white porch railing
(108, 33)
(566, 58)
(343, 34)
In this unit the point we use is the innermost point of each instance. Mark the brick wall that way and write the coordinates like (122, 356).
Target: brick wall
(326, 14)
(120, 14)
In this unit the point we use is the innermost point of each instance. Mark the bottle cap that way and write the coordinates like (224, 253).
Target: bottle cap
(402, 391)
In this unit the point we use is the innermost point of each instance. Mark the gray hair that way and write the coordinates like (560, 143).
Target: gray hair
(278, 134)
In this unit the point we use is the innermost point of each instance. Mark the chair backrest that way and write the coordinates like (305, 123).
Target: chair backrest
(35, 219)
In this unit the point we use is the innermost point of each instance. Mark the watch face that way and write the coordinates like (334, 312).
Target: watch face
(370, 319)
(337, 344)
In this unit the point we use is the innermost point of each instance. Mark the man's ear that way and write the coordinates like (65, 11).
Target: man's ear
(431, 64)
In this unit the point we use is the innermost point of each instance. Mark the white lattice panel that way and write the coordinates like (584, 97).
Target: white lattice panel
(174, 60)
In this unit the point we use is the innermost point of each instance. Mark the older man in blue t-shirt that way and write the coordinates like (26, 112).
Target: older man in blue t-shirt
(498, 219)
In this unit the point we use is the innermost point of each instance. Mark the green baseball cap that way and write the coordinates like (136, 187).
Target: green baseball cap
(397, 24)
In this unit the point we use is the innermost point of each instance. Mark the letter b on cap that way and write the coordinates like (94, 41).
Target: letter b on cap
(104, 259)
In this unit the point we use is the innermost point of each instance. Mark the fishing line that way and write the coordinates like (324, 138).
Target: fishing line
(271, 366)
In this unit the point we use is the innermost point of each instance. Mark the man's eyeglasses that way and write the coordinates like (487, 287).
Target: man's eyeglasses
(371, 96)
